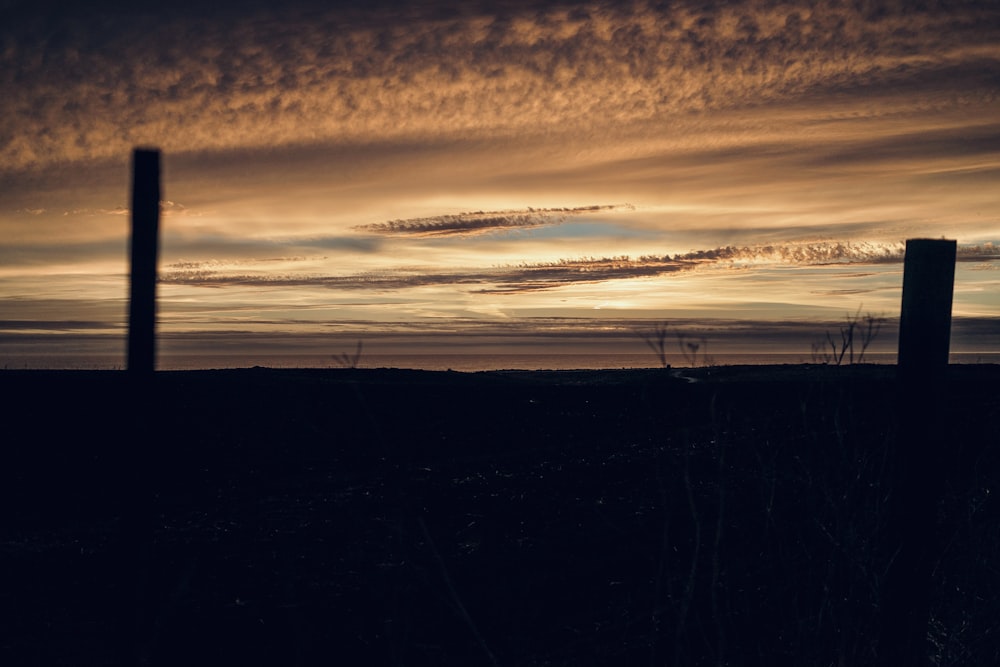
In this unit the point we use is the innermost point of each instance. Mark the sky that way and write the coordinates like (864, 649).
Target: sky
(494, 176)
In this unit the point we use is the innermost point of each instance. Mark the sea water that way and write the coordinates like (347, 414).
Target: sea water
(436, 362)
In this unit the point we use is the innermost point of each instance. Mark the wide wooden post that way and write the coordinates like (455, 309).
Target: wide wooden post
(919, 457)
(925, 318)
(144, 251)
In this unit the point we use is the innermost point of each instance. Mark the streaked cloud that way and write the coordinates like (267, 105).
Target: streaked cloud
(544, 276)
(56, 325)
(480, 222)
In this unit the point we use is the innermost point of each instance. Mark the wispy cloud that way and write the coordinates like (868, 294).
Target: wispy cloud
(822, 253)
(57, 325)
(480, 222)
(217, 265)
(530, 277)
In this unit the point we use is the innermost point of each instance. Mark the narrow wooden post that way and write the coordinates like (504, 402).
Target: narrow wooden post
(925, 318)
(144, 251)
(134, 458)
(919, 456)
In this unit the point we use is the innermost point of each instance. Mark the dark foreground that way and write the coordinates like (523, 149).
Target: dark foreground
(363, 517)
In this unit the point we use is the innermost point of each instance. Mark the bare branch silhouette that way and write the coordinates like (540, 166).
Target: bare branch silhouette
(856, 336)
(657, 342)
(346, 360)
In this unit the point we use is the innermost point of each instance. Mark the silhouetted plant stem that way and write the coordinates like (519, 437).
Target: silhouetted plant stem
(346, 360)
(690, 348)
(657, 342)
(856, 335)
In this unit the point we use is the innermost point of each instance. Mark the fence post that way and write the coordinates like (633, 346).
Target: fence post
(137, 450)
(919, 457)
(925, 318)
(144, 250)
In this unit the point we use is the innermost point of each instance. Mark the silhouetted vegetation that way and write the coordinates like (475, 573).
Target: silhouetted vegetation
(656, 340)
(853, 340)
(349, 360)
(694, 350)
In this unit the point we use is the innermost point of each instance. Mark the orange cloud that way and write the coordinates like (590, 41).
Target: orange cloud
(286, 78)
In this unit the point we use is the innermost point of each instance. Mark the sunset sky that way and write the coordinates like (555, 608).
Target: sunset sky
(494, 176)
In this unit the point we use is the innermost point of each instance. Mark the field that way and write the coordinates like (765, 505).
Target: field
(727, 515)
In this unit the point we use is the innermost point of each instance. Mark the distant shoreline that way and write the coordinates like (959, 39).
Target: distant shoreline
(717, 373)
(441, 362)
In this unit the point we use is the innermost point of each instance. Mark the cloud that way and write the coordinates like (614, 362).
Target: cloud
(843, 292)
(479, 222)
(213, 250)
(913, 148)
(85, 86)
(56, 325)
(529, 277)
(48, 255)
(818, 253)
(363, 244)
(977, 252)
(215, 265)
(167, 208)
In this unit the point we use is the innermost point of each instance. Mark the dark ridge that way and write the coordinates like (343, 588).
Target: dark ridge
(385, 516)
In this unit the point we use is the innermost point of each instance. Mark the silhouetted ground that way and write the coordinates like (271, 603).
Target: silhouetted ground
(385, 517)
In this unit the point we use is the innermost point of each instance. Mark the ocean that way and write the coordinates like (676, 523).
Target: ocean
(434, 362)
